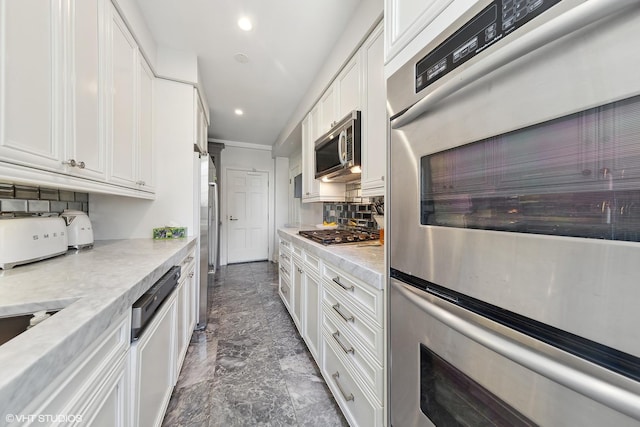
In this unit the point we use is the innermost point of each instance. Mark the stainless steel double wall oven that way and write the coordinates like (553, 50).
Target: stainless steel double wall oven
(514, 227)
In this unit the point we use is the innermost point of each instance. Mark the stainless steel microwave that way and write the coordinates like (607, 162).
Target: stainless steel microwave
(337, 152)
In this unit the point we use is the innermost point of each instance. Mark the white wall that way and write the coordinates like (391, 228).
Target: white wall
(363, 21)
(116, 217)
(309, 213)
(282, 193)
(244, 156)
(134, 19)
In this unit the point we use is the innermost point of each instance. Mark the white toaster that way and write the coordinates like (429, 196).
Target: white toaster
(24, 240)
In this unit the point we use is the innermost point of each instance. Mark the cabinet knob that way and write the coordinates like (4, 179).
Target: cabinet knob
(81, 165)
(70, 162)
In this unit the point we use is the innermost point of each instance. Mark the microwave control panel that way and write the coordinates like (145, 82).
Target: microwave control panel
(495, 22)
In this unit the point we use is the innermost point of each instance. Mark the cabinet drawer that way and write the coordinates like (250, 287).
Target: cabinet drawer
(285, 245)
(312, 263)
(359, 325)
(352, 349)
(358, 408)
(365, 297)
(285, 265)
(297, 251)
(285, 291)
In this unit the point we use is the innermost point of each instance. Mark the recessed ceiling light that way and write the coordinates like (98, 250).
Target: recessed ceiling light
(245, 24)
(238, 112)
(241, 58)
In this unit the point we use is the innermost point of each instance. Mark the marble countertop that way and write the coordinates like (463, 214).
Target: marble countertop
(363, 261)
(92, 287)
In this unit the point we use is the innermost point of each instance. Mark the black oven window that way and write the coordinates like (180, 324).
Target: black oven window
(577, 175)
(451, 399)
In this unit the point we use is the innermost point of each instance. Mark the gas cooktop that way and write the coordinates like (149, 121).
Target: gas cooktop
(332, 237)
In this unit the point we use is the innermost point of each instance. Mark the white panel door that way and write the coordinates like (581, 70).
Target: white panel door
(87, 144)
(247, 216)
(124, 63)
(30, 89)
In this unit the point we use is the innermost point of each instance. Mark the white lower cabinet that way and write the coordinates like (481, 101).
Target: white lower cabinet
(96, 384)
(357, 403)
(341, 320)
(153, 366)
(311, 314)
(297, 280)
(186, 318)
(110, 408)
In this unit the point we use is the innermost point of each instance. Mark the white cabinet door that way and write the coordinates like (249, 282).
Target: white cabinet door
(85, 147)
(201, 125)
(124, 65)
(146, 159)
(153, 366)
(185, 315)
(374, 116)
(30, 88)
(297, 277)
(404, 19)
(311, 312)
(111, 407)
(328, 110)
(349, 87)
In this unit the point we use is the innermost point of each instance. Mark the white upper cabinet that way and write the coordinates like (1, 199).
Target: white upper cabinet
(374, 116)
(410, 25)
(404, 19)
(341, 97)
(76, 98)
(201, 124)
(85, 153)
(328, 111)
(31, 87)
(124, 65)
(146, 159)
(349, 88)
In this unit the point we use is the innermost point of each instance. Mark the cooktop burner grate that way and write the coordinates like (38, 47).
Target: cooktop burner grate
(333, 237)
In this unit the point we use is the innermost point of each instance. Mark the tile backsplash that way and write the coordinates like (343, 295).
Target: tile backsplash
(356, 212)
(37, 200)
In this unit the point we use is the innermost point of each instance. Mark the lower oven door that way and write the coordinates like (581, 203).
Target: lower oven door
(452, 367)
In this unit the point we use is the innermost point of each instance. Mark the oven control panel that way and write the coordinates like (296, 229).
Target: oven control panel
(495, 22)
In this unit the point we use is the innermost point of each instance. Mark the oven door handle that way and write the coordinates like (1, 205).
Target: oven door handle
(550, 362)
(564, 24)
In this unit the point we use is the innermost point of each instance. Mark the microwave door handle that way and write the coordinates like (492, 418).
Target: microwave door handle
(342, 147)
(573, 20)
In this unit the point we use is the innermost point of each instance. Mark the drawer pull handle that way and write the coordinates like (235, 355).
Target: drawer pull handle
(285, 257)
(284, 270)
(336, 307)
(343, 286)
(336, 336)
(335, 379)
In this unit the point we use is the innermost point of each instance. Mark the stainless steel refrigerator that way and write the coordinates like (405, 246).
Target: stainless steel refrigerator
(208, 233)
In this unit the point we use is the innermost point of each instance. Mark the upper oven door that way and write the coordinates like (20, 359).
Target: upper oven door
(576, 56)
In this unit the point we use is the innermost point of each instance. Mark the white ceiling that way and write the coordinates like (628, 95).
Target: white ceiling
(289, 41)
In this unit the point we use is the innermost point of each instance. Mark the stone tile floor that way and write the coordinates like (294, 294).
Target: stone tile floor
(250, 367)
